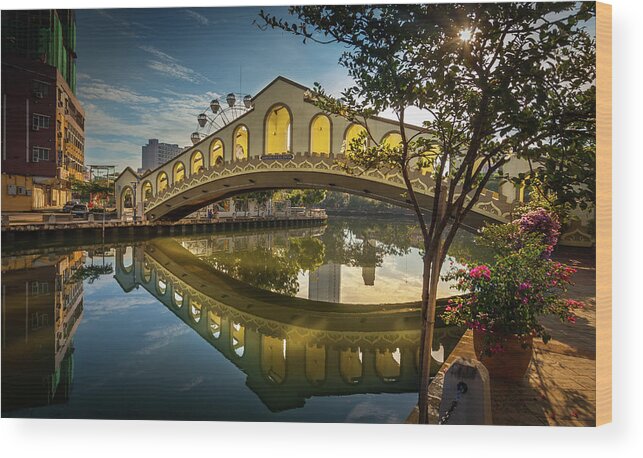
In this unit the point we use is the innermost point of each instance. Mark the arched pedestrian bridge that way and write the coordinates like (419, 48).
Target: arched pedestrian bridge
(282, 142)
(289, 348)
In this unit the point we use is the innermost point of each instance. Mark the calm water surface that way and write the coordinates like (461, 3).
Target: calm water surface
(314, 324)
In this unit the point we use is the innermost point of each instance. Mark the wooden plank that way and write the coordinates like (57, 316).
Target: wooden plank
(604, 213)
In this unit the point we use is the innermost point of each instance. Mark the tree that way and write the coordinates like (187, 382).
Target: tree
(96, 187)
(304, 197)
(482, 73)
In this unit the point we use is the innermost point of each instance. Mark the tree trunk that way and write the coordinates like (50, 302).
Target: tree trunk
(431, 279)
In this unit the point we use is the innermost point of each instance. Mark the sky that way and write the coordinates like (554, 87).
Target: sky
(148, 73)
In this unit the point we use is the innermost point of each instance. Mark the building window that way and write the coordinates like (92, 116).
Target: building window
(40, 89)
(40, 154)
(40, 121)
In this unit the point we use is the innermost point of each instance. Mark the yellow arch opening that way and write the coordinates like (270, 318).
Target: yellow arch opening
(387, 364)
(353, 133)
(196, 162)
(147, 190)
(430, 159)
(350, 365)
(273, 358)
(240, 137)
(392, 140)
(178, 172)
(320, 135)
(161, 182)
(278, 130)
(216, 153)
(315, 363)
(238, 335)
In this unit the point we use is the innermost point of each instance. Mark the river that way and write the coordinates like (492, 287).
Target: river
(309, 324)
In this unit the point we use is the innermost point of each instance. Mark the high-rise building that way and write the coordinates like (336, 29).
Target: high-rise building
(325, 283)
(155, 153)
(43, 122)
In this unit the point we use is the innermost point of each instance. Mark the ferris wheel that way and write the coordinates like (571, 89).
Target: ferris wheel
(223, 112)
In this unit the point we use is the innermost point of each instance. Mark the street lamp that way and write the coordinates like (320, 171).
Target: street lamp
(134, 183)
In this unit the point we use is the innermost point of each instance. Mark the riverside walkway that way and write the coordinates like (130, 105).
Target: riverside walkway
(560, 386)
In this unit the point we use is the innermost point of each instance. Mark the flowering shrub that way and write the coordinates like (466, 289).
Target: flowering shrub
(507, 296)
(543, 223)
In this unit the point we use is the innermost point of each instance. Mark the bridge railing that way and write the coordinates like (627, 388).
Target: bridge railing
(490, 203)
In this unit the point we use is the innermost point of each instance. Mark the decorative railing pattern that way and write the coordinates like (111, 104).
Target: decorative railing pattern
(490, 204)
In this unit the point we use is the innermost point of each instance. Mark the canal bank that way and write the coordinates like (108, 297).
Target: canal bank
(45, 234)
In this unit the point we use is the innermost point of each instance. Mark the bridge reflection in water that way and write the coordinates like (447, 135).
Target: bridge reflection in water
(290, 348)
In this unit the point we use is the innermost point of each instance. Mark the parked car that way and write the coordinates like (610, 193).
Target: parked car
(69, 205)
(79, 211)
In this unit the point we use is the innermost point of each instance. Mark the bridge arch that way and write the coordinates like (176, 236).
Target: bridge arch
(161, 182)
(127, 198)
(392, 138)
(217, 151)
(161, 286)
(278, 123)
(197, 163)
(273, 358)
(214, 324)
(178, 298)
(178, 172)
(388, 365)
(316, 364)
(240, 143)
(350, 365)
(147, 190)
(238, 338)
(353, 131)
(147, 272)
(321, 134)
(195, 310)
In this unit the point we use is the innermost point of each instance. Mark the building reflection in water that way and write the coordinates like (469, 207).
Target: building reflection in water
(325, 283)
(42, 305)
(290, 348)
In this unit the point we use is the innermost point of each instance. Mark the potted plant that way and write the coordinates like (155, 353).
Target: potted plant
(504, 298)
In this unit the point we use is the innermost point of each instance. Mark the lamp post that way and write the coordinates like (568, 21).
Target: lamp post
(134, 183)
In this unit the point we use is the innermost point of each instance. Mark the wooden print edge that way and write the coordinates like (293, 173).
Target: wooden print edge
(603, 213)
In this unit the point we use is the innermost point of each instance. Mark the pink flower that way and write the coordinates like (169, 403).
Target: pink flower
(496, 348)
(479, 272)
(524, 286)
(572, 304)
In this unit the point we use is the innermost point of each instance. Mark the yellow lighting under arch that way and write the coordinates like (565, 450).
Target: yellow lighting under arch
(216, 153)
(178, 172)
(320, 135)
(278, 130)
(196, 162)
(352, 133)
(161, 182)
(147, 190)
(240, 137)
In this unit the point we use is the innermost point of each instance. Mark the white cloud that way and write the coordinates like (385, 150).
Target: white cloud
(96, 90)
(171, 67)
(201, 19)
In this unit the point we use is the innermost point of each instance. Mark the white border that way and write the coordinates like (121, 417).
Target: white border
(97, 438)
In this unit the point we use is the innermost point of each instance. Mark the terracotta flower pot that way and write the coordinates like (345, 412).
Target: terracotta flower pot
(509, 364)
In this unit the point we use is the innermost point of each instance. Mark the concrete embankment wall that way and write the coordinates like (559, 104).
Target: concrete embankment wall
(46, 235)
